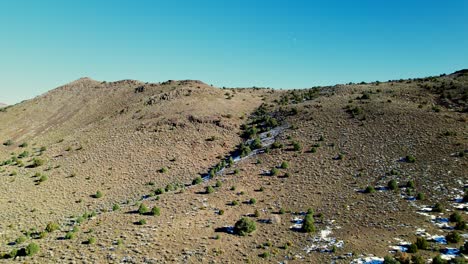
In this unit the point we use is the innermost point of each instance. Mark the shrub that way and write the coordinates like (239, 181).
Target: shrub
(274, 172)
(277, 145)
(51, 227)
(453, 237)
(32, 249)
(20, 239)
(369, 189)
(464, 248)
(13, 253)
(410, 184)
(155, 211)
(209, 189)
(461, 225)
(98, 194)
(256, 213)
(392, 185)
(37, 162)
(234, 202)
(141, 222)
(218, 184)
(417, 260)
(8, 143)
(23, 154)
(70, 235)
(438, 208)
(465, 198)
(197, 180)
(256, 144)
(313, 150)
(390, 260)
(455, 217)
(265, 254)
(282, 211)
(420, 196)
(23, 145)
(413, 248)
(410, 159)
(43, 178)
(252, 201)
(245, 150)
(163, 170)
(297, 146)
(91, 241)
(244, 226)
(438, 260)
(143, 209)
(421, 243)
(159, 191)
(221, 212)
(284, 165)
(170, 187)
(115, 207)
(308, 225)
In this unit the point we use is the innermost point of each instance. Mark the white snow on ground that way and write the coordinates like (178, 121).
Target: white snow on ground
(368, 260)
(324, 242)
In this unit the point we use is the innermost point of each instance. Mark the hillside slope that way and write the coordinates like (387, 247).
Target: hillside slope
(142, 146)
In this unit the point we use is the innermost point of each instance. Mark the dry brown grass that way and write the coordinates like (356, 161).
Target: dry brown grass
(117, 143)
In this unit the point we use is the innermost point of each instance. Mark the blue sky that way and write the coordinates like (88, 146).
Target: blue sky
(279, 44)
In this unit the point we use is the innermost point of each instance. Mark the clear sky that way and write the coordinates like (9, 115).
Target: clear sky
(269, 43)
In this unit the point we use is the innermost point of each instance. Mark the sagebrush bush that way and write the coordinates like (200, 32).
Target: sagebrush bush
(369, 189)
(392, 185)
(155, 211)
(308, 224)
(297, 146)
(32, 249)
(410, 159)
(37, 162)
(98, 194)
(421, 243)
(453, 237)
(143, 209)
(413, 248)
(209, 189)
(284, 165)
(70, 235)
(455, 217)
(197, 180)
(438, 208)
(218, 184)
(244, 226)
(51, 227)
(420, 196)
(274, 172)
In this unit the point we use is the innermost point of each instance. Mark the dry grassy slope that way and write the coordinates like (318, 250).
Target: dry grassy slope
(400, 119)
(116, 144)
(394, 127)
